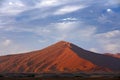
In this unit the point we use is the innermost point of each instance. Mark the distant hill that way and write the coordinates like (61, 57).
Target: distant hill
(59, 57)
(117, 55)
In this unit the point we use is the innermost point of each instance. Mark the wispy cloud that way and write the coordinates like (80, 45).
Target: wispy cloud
(10, 47)
(91, 24)
(109, 41)
(68, 9)
(7, 42)
(49, 3)
(70, 19)
(12, 8)
(94, 50)
(113, 3)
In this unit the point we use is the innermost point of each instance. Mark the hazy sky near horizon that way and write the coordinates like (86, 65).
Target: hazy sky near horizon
(27, 25)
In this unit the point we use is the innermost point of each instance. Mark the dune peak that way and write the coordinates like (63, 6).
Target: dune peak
(62, 56)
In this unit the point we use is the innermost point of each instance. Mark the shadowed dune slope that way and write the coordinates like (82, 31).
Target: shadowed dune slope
(59, 57)
(98, 59)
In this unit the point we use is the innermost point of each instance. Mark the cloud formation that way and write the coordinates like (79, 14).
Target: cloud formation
(110, 41)
(93, 25)
(12, 7)
(7, 42)
(68, 9)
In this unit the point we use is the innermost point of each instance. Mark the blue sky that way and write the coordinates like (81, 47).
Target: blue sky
(27, 25)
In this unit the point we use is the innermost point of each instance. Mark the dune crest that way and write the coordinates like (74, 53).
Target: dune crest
(59, 57)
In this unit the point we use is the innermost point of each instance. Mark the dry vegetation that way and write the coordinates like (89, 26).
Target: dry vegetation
(63, 76)
(75, 78)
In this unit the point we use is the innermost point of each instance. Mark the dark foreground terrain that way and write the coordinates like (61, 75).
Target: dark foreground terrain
(60, 76)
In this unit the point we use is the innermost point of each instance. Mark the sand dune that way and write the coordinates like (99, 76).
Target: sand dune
(59, 57)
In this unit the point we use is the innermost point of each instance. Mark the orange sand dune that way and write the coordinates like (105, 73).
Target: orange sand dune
(60, 57)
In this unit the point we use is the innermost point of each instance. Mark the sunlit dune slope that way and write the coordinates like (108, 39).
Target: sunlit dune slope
(59, 57)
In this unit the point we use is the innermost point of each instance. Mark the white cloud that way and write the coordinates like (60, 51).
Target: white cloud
(66, 25)
(68, 28)
(47, 3)
(54, 3)
(61, 30)
(112, 2)
(70, 19)
(8, 46)
(104, 19)
(12, 7)
(93, 50)
(110, 34)
(43, 40)
(7, 42)
(109, 10)
(112, 47)
(71, 30)
(20, 4)
(109, 41)
(10, 3)
(68, 9)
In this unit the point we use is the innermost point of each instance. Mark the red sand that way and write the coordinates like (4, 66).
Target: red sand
(60, 57)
